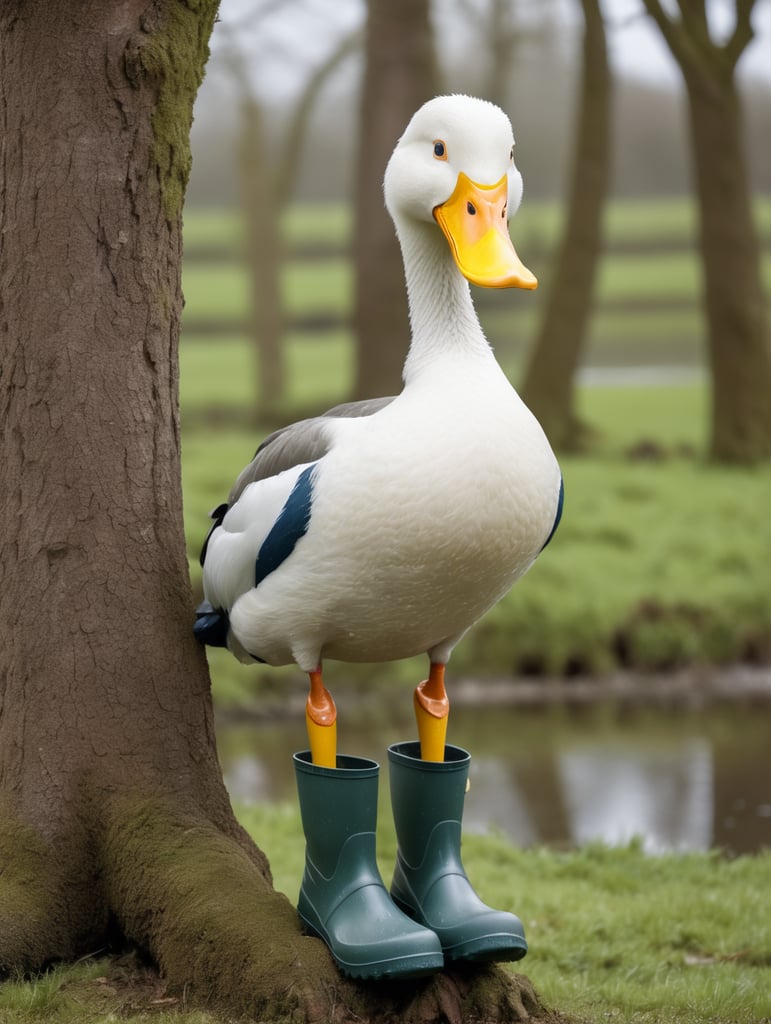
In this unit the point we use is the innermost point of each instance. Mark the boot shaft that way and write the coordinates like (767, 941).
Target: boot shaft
(342, 897)
(425, 795)
(335, 805)
(430, 883)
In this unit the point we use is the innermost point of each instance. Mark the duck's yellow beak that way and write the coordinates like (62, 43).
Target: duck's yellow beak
(474, 222)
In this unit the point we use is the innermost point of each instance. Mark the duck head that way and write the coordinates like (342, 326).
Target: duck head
(454, 166)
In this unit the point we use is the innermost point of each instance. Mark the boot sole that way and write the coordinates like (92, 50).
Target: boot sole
(497, 948)
(416, 965)
(487, 949)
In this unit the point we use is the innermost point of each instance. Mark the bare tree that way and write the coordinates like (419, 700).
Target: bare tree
(505, 28)
(262, 210)
(399, 78)
(548, 386)
(115, 824)
(739, 344)
(266, 186)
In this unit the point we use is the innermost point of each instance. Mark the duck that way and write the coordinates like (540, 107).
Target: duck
(387, 528)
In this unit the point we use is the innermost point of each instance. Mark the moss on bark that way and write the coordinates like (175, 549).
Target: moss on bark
(206, 911)
(171, 51)
(39, 921)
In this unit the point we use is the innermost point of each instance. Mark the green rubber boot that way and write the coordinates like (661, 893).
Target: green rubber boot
(342, 898)
(429, 882)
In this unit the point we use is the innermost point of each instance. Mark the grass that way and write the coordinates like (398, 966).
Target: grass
(647, 310)
(648, 221)
(653, 567)
(102, 990)
(615, 935)
(223, 373)
(659, 562)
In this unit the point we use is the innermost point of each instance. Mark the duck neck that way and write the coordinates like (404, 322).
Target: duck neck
(443, 320)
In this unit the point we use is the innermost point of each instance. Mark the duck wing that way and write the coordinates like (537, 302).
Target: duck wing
(295, 445)
(305, 441)
(298, 446)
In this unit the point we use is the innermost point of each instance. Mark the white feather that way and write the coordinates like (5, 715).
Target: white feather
(425, 513)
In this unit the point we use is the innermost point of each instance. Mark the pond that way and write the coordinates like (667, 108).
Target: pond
(677, 778)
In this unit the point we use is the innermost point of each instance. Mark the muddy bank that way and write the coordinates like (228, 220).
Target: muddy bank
(688, 688)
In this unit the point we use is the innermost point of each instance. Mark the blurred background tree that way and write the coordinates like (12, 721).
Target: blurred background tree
(549, 382)
(738, 336)
(399, 76)
(658, 574)
(334, 264)
(266, 181)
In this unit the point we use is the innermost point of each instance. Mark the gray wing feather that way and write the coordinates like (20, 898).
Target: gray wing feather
(304, 441)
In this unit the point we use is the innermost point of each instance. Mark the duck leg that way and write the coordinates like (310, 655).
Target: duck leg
(432, 707)
(321, 719)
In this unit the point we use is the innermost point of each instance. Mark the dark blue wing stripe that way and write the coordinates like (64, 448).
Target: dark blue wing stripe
(560, 503)
(290, 526)
(217, 515)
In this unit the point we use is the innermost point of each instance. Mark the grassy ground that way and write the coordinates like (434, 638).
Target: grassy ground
(647, 311)
(660, 561)
(649, 221)
(615, 936)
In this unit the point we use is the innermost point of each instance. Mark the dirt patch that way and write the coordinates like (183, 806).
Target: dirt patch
(128, 986)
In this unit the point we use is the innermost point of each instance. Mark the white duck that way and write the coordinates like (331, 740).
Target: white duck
(387, 528)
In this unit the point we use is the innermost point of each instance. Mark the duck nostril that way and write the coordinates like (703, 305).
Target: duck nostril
(471, 208)
(503, 211)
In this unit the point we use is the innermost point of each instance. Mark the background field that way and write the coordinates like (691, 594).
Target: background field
(661, 559)
(648, 293)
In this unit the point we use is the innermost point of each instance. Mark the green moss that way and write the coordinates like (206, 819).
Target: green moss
(172, 53)
(32, 904)
(198, 900)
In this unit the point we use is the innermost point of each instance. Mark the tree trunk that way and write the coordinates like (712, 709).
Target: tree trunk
(738, 339)
(114, 821)
(265, 259)
(398, 79)
(548, 386)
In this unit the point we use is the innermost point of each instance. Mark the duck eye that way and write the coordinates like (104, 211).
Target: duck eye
(471, 208)
(511, 155)
(440, 150)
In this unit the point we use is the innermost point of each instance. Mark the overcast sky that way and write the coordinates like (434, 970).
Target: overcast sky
(295, 34)
(639, 48)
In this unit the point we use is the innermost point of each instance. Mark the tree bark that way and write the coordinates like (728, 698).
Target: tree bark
(103, 692)
(399, 78)
(738, 336)
(115, 824)
(548, 386)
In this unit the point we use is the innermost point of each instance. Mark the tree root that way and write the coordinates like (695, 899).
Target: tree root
(201, 904)
(193, 898)
(42, 918)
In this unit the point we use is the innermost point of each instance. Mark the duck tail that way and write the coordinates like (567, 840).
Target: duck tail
(211, 625)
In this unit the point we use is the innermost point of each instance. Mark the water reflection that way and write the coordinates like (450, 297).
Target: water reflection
(663, 796)
(676, 780)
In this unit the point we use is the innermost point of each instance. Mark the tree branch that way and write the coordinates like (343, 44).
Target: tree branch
(742, 34)
(687, 37)
(289, 162)
(671, 30)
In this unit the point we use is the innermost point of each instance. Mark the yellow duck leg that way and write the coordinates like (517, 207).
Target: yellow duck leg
(321, 721)
(432, 707)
